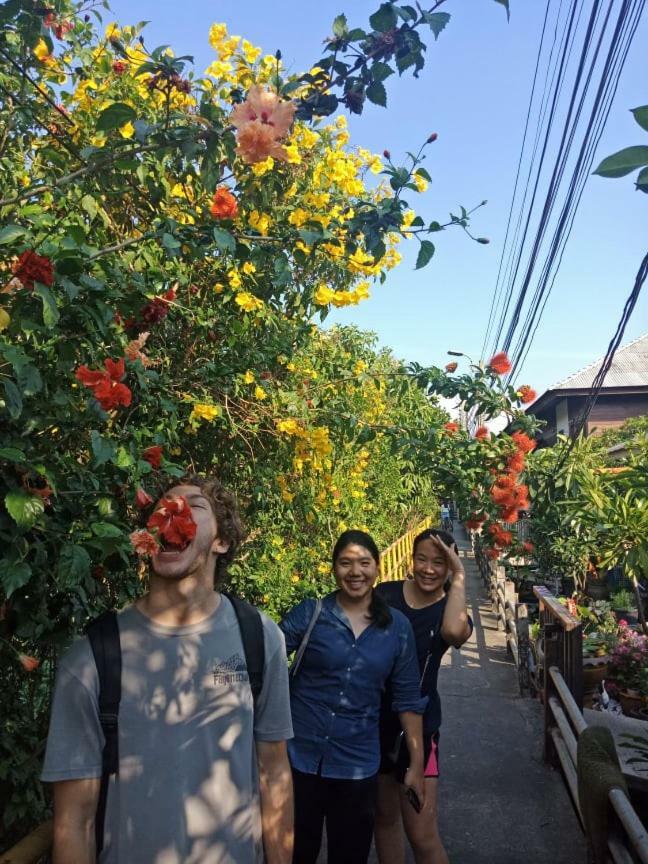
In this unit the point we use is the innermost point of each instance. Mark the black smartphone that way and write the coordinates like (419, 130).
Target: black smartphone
(413, 799)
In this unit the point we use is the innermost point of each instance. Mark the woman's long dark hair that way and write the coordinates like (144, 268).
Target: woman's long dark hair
(379, 611)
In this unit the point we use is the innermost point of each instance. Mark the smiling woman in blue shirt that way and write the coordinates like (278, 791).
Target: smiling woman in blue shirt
(356, 646)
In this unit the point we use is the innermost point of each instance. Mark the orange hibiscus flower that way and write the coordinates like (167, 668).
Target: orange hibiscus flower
(500, 363)
(224, 204)
(527, 394)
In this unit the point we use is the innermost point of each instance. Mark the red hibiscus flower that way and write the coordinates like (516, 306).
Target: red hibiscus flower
(119, 67)
(492, 554)
(142, 499)
(61, 29)
(28, 663)
(510, 516)
(144, 543)
(153, 455)
(451, 367)
(527, 394)
(482, 433)
(472, 524)
(528, 546)
(158, 308)
(30, 268)
(173, 521)
(523, 443)
(105, 385)
(224, 204)
(451, 428)
(500, 363)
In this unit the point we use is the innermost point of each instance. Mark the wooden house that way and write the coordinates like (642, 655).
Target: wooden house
(624, 395)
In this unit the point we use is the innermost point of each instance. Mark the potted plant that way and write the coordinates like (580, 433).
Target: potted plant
(627, 668)
(623, 606)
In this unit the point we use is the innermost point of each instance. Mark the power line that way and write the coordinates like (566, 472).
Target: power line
(524, 319)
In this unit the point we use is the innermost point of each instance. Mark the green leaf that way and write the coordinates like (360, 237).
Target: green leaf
(340, 26)
(380, 71)
(425, 253)
(13, 399)
(23, 507)
(11, 233)
(90, 206)
(641, 116)
(123, 458)
(73, 565)
(103, 449)
(114, 116)
(622, 163)
(12, 454)
(642, 180)
(438, 21)
(505, 4)
(225, 241)
(170, 242)
(13, 576)
(423, 173)
(384, 19)
(29, 380)
(106, 529)
(377, 94)
(50, 312)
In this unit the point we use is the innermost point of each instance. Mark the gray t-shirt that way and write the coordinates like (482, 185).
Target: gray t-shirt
(187, 791)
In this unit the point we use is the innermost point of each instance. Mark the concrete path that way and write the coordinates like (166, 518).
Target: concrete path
(498, 802)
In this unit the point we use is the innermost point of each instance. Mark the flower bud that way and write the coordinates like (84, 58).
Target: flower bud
(484, 240)
(433, 137)
(386, 154)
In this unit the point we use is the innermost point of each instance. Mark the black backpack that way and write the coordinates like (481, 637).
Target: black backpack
(103, 634)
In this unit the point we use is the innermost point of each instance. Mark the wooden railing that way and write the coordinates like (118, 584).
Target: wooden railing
(396, 559)
(512, 617)
(564, 722)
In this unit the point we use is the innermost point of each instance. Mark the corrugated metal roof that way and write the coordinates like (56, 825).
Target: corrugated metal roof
(629, 369)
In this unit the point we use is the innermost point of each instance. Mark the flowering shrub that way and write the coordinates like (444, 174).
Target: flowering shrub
(168, 240)
(629, 659)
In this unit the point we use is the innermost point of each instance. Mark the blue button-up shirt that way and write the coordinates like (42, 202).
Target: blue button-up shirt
(335, 695)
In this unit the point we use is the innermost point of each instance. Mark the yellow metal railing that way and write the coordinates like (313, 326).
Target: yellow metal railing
(395, 560)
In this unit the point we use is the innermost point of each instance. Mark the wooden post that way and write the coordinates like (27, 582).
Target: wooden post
(552, 657)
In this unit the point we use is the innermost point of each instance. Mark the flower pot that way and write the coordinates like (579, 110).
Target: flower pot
(594, 671)
(630, 701)
(630, 616)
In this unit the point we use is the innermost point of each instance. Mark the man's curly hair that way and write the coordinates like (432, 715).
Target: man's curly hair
(228, 519)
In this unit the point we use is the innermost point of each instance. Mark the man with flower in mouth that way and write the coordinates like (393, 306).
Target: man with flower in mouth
(203, 774)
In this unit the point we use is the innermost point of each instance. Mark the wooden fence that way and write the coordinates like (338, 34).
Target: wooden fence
(563, 703)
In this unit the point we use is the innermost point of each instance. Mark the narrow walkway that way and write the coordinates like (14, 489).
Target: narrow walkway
(499, 803)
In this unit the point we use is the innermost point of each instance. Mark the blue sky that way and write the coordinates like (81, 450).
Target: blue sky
(474, 93)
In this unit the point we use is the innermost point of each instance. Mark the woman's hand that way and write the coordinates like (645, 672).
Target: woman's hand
(414, 780)
(454, 561)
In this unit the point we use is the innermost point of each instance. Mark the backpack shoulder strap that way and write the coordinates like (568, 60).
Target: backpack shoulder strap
(103, 635)
(304, 643)
(251, 627)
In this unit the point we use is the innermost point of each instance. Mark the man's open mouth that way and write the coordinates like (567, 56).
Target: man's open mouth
(167, 546)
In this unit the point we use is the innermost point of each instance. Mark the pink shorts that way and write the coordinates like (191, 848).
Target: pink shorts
(432, 763)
